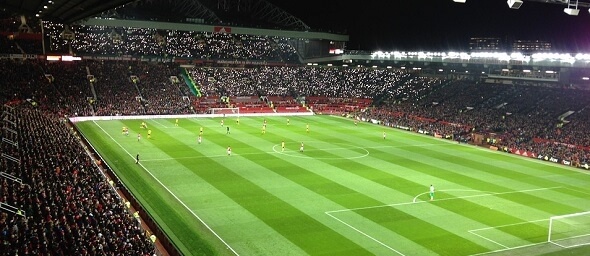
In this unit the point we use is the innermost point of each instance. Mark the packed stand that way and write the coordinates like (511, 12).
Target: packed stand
(65, 205)
(296, 81)
(514, 116)
(122, 41)
(72, 86)
(160, 94)
(116, 93)
(25, 82)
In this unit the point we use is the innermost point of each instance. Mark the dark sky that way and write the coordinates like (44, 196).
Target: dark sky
(433, 25)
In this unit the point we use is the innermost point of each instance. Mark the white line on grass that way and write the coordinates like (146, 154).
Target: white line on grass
(533, 160)
(508, 225)
(329, 213)
(568, 238)
(551, 242)
(530, 159)
(274, 148)
(505, 247)
(162, 184)
(365, 234)
(449, 190)
(516, 247)
(444, 199)
(579, 191)
(197, 157)
(155, 121)
(508, 249)
(275, 151)
(474, 231)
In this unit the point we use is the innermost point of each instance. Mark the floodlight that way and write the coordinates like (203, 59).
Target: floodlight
(570, 11)
(514, 4)
(459, 1)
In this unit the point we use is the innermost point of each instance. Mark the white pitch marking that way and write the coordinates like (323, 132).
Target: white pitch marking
(155, 121)
(508, 225)
(506, 247)
(365, 234)
(445, 199)
(474, 231)
(329, 213)
(447, 190)
(275, 151)
(162, 184)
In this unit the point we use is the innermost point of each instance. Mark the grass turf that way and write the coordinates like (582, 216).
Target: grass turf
(350, 192)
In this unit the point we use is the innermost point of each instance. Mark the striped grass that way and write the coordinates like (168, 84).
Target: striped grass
(350, 192)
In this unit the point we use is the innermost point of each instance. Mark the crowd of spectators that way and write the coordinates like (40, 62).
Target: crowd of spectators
(22, 82)
(91, 87)
(160, 93)
(516, 117)
(65, 201)
(134, 88)
(520, 116)
(120, 41)
(71, 85)
(65, 206)
(297, 81)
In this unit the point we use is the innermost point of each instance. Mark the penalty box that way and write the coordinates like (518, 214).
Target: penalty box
(501, 237)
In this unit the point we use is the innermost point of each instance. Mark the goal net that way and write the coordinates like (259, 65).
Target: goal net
(224, 111)
(570, 230)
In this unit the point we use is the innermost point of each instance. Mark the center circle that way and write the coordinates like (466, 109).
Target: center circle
(294, 150)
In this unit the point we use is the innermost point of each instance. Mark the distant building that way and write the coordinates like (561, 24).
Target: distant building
(530, 46)
(485, 44)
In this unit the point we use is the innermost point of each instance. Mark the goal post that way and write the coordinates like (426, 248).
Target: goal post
(570, 230)
(225, 111)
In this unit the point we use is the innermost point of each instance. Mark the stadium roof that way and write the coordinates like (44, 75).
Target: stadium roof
(65, 11)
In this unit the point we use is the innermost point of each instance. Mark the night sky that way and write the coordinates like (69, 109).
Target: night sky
(433, 25)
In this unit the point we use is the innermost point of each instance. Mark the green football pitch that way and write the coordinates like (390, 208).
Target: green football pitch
(351, 191)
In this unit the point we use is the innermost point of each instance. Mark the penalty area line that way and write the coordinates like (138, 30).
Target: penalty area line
(444, 199)
(365, 234)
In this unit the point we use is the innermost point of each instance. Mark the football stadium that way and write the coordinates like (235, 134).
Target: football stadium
(234, 128)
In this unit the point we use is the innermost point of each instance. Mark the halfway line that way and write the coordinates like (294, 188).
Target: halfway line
(271, 152)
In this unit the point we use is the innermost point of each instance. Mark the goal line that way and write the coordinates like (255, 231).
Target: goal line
(569, 230)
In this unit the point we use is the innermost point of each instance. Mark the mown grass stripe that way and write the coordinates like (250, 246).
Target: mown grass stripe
(337, 191)
(173, 219)
(301, 229)
(387, 170)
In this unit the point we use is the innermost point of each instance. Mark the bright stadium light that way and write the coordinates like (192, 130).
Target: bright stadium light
(459, 1)
(514, 4)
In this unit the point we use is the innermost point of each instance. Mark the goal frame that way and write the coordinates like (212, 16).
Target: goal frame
(226, 112)
(552, 218)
